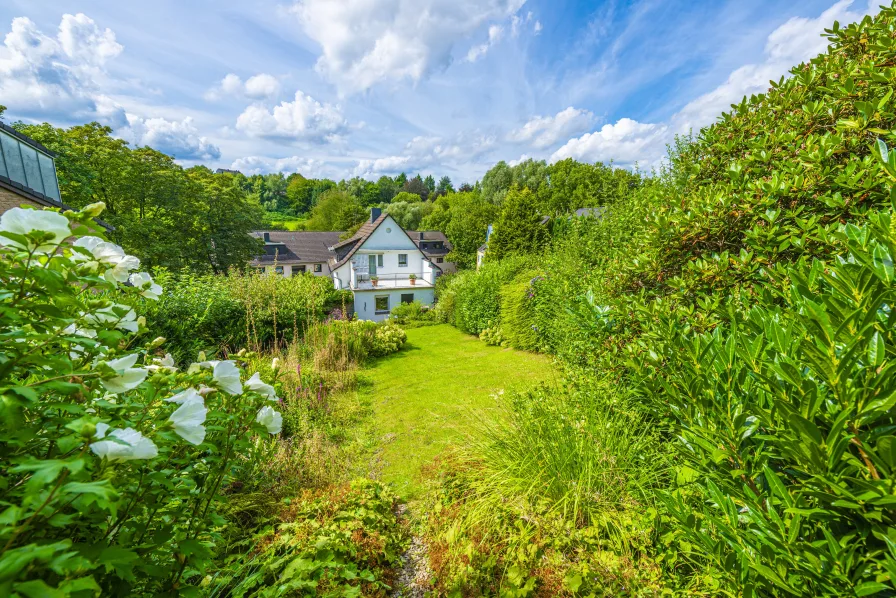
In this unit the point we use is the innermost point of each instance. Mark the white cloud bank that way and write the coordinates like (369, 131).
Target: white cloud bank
(61, 74)
(544, 131)
(257, 87)
(303, 119)
(179, 139)
(424, 151)
(365, 42)
(308, 167)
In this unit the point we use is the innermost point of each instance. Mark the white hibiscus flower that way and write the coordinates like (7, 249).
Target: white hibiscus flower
(266, 390)
(123, 444)
(270, 419)
(20, 221)
(128, 376)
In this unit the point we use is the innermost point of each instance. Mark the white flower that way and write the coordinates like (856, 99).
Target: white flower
(20, 221)
(120, 271)
(127, 444)
(144, 282)
(101, 429)
(226, 374)
(162, 363)
(75, 331)
(184, 396)
(266, 390)
(128, 376)
(275, 364)
(108, 254)
(106, 315)
(270, 419)
(189, 417)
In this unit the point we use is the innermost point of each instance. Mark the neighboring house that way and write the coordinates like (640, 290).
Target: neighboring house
(290, 253)
(27, 172)
(382, 264)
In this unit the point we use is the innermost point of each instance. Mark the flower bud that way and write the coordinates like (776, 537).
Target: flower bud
(201, 357)
(275, 364)
(95, 209)
(88, 430)
(141, 322)
(158, 342)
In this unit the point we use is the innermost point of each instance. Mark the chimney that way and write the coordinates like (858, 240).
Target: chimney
(421, 235)
(267, 237)
(374, 214)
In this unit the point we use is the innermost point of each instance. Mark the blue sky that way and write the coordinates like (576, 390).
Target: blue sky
(340, 88)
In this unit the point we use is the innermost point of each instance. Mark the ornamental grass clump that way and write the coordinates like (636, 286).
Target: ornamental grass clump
(113, 460)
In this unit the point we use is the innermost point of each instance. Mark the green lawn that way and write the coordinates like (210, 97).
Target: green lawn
(428, 396)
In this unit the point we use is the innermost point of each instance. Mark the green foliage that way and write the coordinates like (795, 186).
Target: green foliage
(786, 417)
(476, 297)
(344, 542)
(519, 228)
(408, 211)
(166, 215)
(336, 210)
(766, 370)
(388, 338)
(464, 218)
(518, 318)
(213, 313)
(113, 463)
(412, 314)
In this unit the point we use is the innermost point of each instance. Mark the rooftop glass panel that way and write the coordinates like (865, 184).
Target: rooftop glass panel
(27, 166)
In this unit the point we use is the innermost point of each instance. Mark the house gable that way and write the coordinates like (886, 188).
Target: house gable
(388, 236)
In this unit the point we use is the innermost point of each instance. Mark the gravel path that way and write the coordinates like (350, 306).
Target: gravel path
(413, 579)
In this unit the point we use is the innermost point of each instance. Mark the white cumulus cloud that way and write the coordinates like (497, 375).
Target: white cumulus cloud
(40, 74)
(422, 151)
(308, 167)
(365, 42)
(626, 142)
(303, 119)
(180, 139)
(257, 87)
(544, 131)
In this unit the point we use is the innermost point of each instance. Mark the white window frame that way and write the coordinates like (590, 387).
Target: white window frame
(377, 311)
(405, 264)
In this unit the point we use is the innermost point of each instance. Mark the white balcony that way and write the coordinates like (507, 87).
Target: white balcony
(361, 281)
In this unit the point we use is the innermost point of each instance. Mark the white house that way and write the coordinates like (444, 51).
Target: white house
(382, 264)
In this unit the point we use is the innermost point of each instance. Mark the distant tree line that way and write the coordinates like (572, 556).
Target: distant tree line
(194, 219)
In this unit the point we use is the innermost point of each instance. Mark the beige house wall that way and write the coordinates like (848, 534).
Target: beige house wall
(10, 200)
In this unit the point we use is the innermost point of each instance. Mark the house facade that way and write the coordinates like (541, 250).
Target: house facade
(382, 264)
(27, 172)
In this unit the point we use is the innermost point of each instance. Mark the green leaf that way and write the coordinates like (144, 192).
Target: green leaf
(877, 350)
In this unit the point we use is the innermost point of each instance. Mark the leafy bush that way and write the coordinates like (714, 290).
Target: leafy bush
(787, 418)
(412, 314)
(113, 460)
(342, 542)
(477, 295)
(519, 322)
(208, 313)
(388, 338)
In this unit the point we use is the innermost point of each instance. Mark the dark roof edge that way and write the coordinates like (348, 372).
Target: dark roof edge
(26, 140)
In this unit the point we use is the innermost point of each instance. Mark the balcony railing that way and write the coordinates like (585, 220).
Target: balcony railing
(362, 281)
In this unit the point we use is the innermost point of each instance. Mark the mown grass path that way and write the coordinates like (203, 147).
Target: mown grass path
(430, 394)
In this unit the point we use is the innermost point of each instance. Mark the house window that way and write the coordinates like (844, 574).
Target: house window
(439, 260)
(407, 297)
(278, 270)
(318, 267)
(379, 260)
(402, 260)
(381, 305)
(298, 270)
